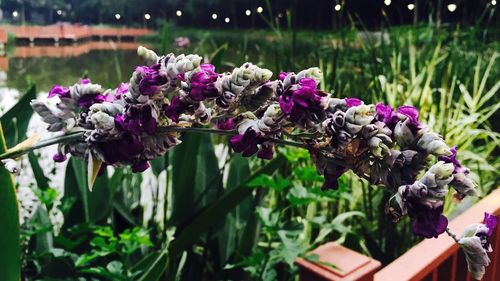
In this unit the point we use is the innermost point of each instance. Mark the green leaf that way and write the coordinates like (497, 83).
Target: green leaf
(16, 120)
(10, 261)
(88, 206)
(195, 176)
(218, 209)
(216, 57)
(210, 216)
(41, 180)
(233, 230)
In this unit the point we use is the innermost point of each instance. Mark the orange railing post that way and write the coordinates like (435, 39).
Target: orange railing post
(349, 265)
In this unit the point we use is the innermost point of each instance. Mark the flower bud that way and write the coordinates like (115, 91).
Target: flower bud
(11, 166)
(404, 134)
(432, 143)
(437, 177)
(147, 55)
(313, 73)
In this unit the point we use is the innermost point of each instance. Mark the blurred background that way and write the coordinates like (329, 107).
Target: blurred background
(440, 56)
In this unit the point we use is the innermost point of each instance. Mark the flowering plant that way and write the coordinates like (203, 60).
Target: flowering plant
(142, 119)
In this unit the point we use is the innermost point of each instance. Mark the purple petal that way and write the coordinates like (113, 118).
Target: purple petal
(237, 143)
(307, 83)
(286, 106)
(84, 81)
(352, 102)
(266, 152)
(59, 157)
(140, 167)
(226, 124)
(207, 67)
(60, 91)
(491, 222)
(282, 75)
(409, 111)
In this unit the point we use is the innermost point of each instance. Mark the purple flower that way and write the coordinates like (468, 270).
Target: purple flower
(386, 114)
(87, 101)
(137, 119)
(121, 150)
(427, 218)
(58, 90)
(139, 167)
(248, 144)
(453, 159)
(266, 151)
(352, 102)
(59, 157)
(84, 81)
(411, 112)
(305, 99)
(175, 108)
(151, 79)
(203, 83)
(122, 88)
(226, 124)
(491, 222)
(282, 75)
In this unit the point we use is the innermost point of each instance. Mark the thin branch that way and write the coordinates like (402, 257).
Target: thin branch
(14, 153)
(452, 235)
(78, 135)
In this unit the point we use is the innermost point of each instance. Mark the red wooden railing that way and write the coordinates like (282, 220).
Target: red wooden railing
(71, 32)
(431, 260)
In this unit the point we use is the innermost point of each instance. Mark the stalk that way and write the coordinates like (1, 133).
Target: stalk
(14, 153)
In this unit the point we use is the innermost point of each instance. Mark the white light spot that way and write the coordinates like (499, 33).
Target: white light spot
(117, 16)
(387, 2)
(15, 14)
(411, 7)
(178, 13)
(59, 12)
(337, 7)
(493, 2)
(452, 7)
(214, 16)
(227, 20)
(260, 9)
(248, 12)
(147, 16)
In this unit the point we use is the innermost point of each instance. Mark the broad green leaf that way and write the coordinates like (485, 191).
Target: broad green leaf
(218, 210)
(210, 216)
(44, 241)
(231, 234)
(10, 261)
(88, 206)
(16, 120)
(195, 176)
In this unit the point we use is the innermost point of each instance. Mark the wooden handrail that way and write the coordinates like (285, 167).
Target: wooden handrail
(440, 258)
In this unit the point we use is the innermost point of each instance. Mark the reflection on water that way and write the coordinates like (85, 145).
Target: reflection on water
(106, 63)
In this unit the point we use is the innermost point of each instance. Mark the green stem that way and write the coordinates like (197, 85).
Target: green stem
(78, 135)
(23, 150)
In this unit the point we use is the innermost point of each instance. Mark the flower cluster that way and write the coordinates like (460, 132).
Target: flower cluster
(137, 122)
(476, 245)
